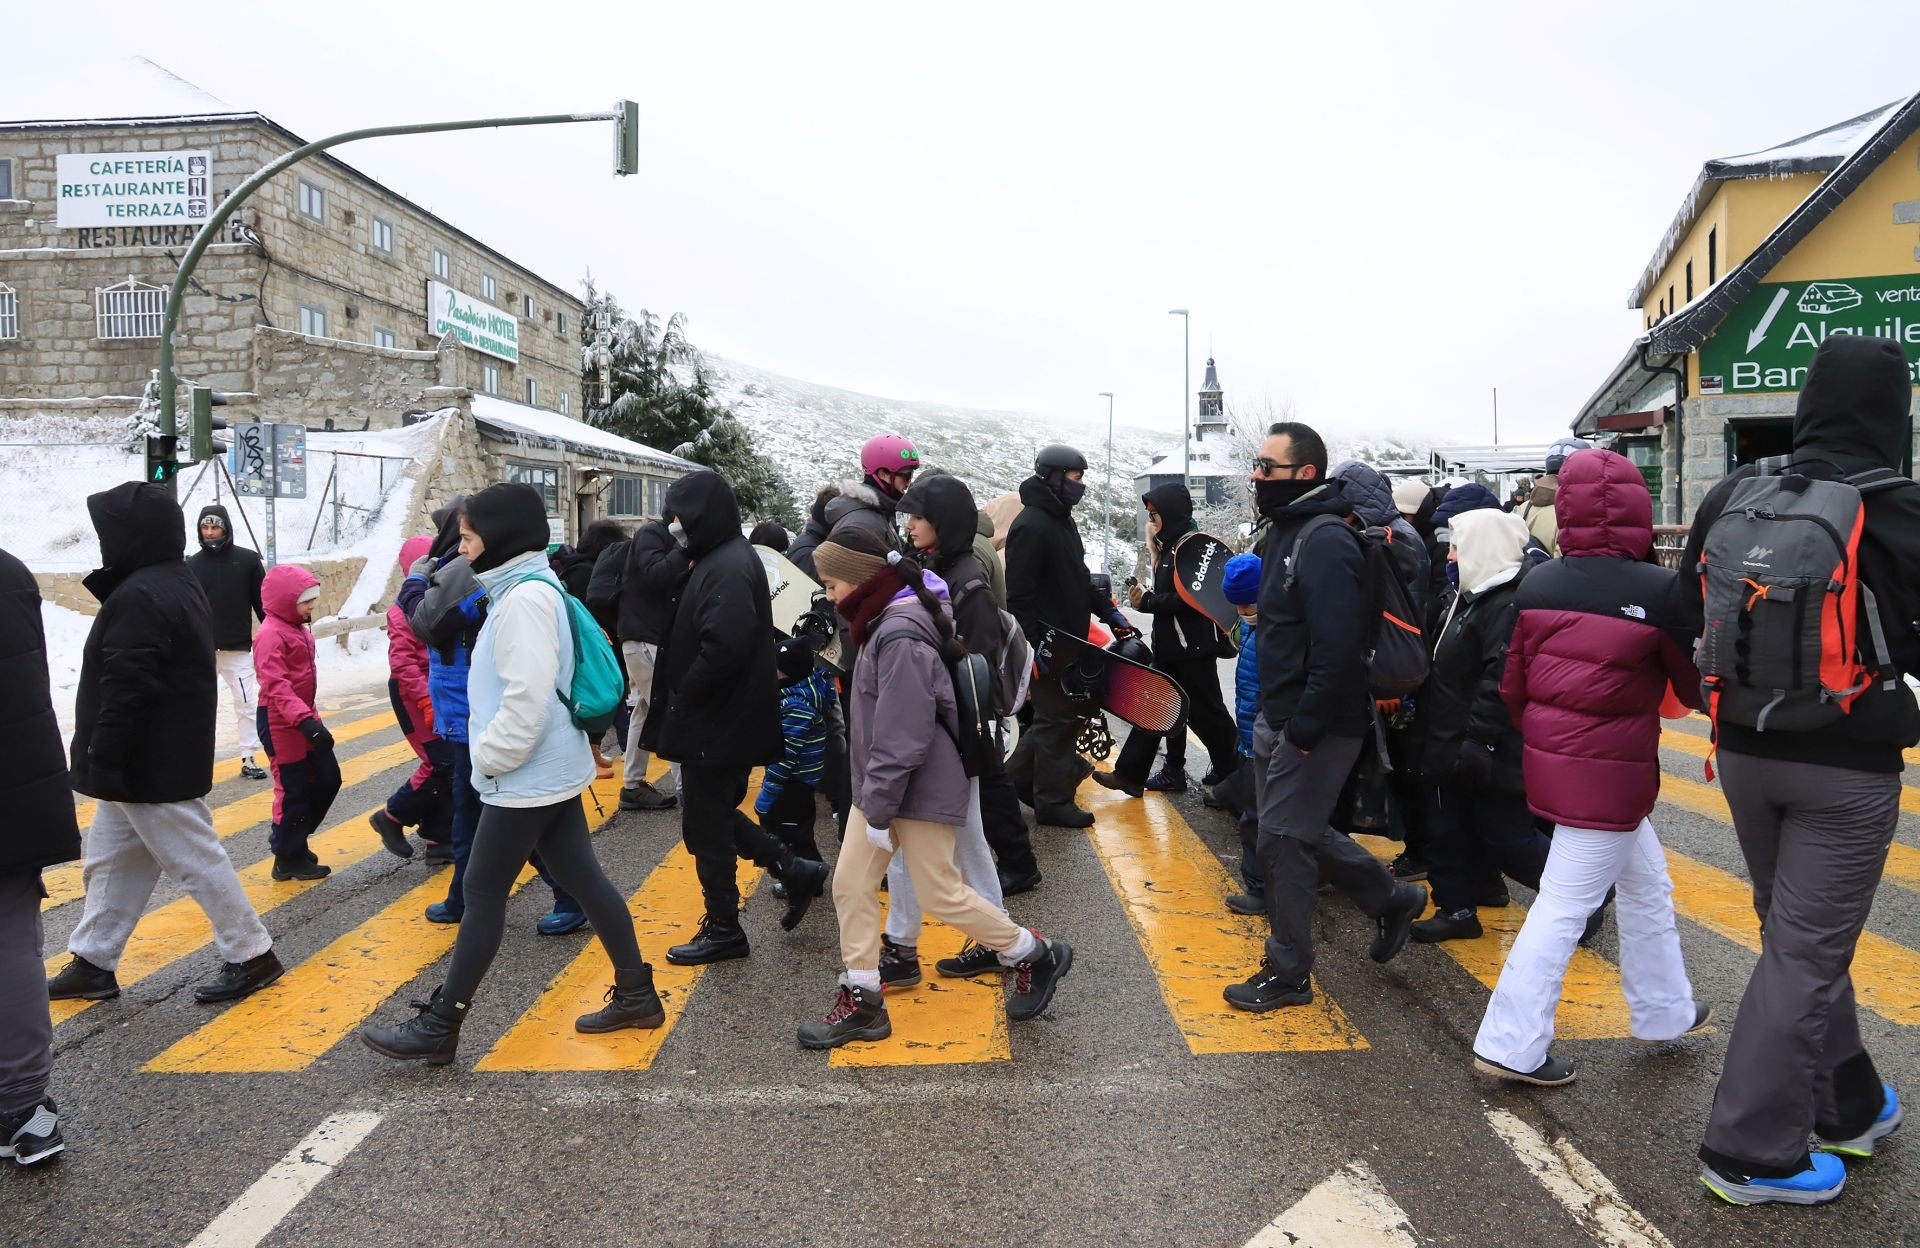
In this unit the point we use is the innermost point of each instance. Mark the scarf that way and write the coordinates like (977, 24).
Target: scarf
(864, 605)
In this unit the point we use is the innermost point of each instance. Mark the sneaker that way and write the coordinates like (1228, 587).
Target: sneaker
(440, 912)
(1035, 979)
(1068, 816)
(899, 965)
(1406, 867)
(81, 980)
(1397, 923)
(1216, 776)
(1458, 925)
(32, 1136)
(1552, 1073)
(1891, 1114)
(439, 854)
(560, 922)
(1013, 883)
(806, 879)
(779, 891)
(392, 835)
(1247, 903)
(1167, 780)
(299, 869)
(1265, 990)
(712, 943)
(1819, 1183)
(1211, 799)
(1113, 780)
(857, 1014)
(1702, 1013)
(250, 770)
(240, 979)
(631, 1002)
(643, 796)
(973, 959)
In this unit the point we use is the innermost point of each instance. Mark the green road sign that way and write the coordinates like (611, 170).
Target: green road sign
(1768, 342)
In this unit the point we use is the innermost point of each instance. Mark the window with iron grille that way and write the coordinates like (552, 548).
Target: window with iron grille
(442, 265)
(490, 378)
(313, 201)
(382, 337)
(656, 495)
(132, 309)
(313, 321)
(628, 497)
(383, 235)
(10, 313)
(542, 477)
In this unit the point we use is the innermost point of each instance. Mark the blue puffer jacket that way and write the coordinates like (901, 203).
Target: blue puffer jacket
(803, 727)
(1246, 685)
(446, 614)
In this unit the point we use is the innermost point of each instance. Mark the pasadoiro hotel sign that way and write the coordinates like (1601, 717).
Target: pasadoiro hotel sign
(478, 325)
(132, 188)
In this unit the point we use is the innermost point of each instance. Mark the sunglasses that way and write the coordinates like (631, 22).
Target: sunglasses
(1267, 467)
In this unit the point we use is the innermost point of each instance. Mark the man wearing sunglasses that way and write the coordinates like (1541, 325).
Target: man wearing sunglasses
(888, 462)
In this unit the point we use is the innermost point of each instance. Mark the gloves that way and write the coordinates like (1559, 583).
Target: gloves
(881, 839)
(425, 708)
(316, 733)
(1474, 764)
(422, 567)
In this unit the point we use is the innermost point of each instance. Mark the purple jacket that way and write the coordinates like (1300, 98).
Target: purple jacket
(905, 766)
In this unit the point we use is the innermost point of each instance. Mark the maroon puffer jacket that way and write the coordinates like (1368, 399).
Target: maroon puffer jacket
(1600, 636)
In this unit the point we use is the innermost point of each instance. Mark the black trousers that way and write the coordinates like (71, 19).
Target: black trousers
(791, 818)
(307, 789)
(1479, 836)
(1206, 711)
(716, 832)
(1004, 823)
(1048, 756)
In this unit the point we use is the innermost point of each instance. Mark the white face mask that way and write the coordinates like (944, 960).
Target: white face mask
(679, 534)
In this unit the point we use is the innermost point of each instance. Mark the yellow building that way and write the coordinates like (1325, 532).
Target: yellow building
(1770, 253)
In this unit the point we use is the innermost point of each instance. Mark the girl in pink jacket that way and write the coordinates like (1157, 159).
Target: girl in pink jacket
(306, 776)
(425, 798)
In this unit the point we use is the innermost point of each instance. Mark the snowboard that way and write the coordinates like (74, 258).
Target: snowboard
(794, 595)
(1131, 691)
(1200, 576)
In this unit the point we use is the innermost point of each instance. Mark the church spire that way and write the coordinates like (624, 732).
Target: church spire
(1212, 401)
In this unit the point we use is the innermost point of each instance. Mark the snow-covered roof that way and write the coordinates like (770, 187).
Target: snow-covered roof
(1212, 466)
(1493, 459)
(516, 422)
(132, 89)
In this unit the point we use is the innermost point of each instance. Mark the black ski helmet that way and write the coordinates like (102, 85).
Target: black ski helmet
(1129, 646)
(1058, 457)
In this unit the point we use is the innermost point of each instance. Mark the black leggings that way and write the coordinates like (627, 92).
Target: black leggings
(507, 834)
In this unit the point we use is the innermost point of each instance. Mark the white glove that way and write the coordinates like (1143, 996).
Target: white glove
(881, 839)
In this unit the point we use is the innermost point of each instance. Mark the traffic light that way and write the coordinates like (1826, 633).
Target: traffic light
(201, 446)
(163, 459)
(626, 139)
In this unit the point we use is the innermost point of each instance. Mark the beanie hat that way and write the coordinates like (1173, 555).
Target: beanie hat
(511, 518)
(310, 594)
(1242, 581)
(849, 567)
(1409, 493)
(793, 657)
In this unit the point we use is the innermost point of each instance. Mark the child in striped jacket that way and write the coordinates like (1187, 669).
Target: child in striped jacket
(785, 804)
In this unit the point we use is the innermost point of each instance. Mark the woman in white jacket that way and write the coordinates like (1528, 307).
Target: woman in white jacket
(530, 764)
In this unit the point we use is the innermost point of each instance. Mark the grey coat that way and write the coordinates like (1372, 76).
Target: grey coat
(904, 764)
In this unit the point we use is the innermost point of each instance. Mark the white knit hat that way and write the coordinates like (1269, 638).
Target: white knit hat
(1409, 493)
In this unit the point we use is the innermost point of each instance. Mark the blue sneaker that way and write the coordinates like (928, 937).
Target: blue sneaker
(560, 922)
(1816, 1185)
(439, 912)
(1861, 1145)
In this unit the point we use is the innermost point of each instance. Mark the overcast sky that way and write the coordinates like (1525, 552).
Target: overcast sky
(1380, 217)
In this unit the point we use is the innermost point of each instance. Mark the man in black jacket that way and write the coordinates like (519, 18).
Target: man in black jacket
(36, 793)
(656, 570)
(231, 576)
(1049, 588)
(1315, 712)
(716, 712)
(143, 745)
(1815, 813)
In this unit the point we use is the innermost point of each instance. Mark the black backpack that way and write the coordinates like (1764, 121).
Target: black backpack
(609, 576)
(975, 695)
(1396, 650)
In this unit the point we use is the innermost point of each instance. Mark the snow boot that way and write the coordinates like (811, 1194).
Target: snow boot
(433, 1033)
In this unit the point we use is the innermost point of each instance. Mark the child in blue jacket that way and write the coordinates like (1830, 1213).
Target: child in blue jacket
(785, 804)
(1242, 586)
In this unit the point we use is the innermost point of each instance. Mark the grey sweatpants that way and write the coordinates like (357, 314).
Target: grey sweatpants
(26, 1026)
(1815, 840)
(128, 846)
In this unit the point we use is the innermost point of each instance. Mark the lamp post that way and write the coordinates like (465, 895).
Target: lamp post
(1106, 533)
(1186, 388)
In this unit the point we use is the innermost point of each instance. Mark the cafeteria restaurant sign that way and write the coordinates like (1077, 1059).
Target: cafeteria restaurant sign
(478, 325)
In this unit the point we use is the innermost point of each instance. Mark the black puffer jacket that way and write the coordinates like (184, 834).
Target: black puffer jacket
(1313, 671)
(948, 504)
(35, 790)
(656, 569)
(862, 505)
(230, 576)
(1048, 585)
(144, 710)
(1177, 628)
(1461, 701)
(716, 692)
(1372, 500)
(800, 553)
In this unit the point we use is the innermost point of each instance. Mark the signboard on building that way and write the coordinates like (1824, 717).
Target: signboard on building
(479, 325)
(95, 189)
(269, 461)
(1767, 343)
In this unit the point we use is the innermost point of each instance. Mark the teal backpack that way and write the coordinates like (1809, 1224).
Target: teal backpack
(599, 683)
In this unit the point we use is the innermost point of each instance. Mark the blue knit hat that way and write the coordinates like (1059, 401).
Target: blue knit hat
(1242, 581)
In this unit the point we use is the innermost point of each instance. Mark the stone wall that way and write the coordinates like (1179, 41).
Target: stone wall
(337, 579)
(1703, 433)
(311, 380)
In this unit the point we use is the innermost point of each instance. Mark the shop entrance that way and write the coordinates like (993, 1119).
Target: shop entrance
(1749, 441)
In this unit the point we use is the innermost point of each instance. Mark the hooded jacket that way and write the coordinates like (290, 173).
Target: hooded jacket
(947, 504)
(1599, 638)
(408, 678)
(1178, 629)
(230, 576)
(1852, 416)
(1313, 672)
(1048, 585)
(815, 531)
(862, 506)
(35, 789)
(447, 610)
(1372, 500)
(283, 660)
(656, 570)
(1460, 704)
(523, 744)
(904, 765)
(716, 692)
(1538, 513)
(988, 554)
(144, 708)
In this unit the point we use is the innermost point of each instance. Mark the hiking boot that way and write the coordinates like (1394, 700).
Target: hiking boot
(1822, 1181)
(1247, 903)
(1013, 883)
(1454, 925)
(857, 1014)
(778, 890)
(81, 980)
(441, 912)
(1702, 1015)
(1114, 780)
(1551, 1073)
(1035, 979)
(1888, 1121)
(560, 922)
(240, 979)
(631, 1002)
(299, 869)
(973, 959)
(1408, 901)
(32, 1136)
(1068, 816)
(1406, 867)
(1168, 780)
(250, 770)
(1266, 989)
(643, 796)
(899, 965)
(1211, 799)
(432, 1034)
(392, 835)
(714, 942)
(805, 879)
(439, 854)
(1215, 776)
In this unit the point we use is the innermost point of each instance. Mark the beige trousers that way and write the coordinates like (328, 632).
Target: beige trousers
(928, 850)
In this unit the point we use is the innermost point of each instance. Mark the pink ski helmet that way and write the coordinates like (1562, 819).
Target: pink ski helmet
(888, 453)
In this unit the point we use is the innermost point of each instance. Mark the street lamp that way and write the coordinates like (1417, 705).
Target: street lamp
(1186, 388)
(1106, 534)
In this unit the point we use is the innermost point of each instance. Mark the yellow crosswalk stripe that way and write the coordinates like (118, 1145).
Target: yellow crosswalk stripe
(316, 1004)
(180, 927)
(65, 884)
(1171, 886)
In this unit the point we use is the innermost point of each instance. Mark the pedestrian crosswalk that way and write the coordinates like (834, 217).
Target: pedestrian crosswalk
(1167, 877)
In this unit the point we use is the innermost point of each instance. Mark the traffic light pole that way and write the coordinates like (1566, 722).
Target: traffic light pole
(625, 160)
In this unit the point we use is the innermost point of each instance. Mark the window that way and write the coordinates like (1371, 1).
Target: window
(656, 496)
(486, 287)
(130, 310)
(313, 201)
(541, 477)
(6, 178)
(383, 338)
(313, 321)
(10, 314)
(442, 265)
(560, 324)
(1713, 255)
(1672, 305)
(533, 392)
(566, 404)
(526, 306)
(383, 235)
(490, 378)
(629, 497)
(1689, 281)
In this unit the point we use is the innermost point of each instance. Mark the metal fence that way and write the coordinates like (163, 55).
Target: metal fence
(1669, 541)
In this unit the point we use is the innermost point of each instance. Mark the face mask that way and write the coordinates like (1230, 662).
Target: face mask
(679, 534)
(1272, 495)
(1071, 491)
(1453, 574)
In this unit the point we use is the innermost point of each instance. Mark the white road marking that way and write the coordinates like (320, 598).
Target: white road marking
(260, 1208)
(1348, 1209)
(1578, 1184)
